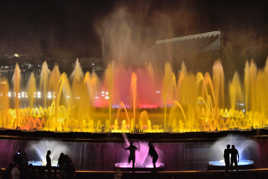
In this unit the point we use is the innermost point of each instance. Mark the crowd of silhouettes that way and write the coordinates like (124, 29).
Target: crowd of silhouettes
(234, 154)
(20, 169)
(65, 165)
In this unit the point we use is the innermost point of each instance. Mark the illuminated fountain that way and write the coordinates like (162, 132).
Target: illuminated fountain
(247, 149)
(135, 99)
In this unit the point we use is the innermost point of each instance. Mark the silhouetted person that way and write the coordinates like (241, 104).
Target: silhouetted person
(153, 153)
(132, 149)
(48, 159)
(68, 167)
(226, 156)
(234, 157)
(61, 160)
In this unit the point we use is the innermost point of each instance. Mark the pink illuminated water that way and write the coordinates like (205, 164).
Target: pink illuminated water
(143, 160)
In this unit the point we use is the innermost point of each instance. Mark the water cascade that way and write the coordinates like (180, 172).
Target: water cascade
(135, 99)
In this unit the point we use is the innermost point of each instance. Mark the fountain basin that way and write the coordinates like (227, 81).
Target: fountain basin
(42, 164)
(128, 166)
(219, 164)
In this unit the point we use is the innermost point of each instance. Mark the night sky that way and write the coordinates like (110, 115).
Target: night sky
(62, 28)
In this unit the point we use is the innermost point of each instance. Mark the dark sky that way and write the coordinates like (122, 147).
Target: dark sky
(67, 28)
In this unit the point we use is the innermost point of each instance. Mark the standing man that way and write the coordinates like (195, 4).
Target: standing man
(61, 160)
(226, 156)
(234, 157)
(132, 150)
(48, 159)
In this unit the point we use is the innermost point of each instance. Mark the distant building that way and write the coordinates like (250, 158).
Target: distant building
(189, 49)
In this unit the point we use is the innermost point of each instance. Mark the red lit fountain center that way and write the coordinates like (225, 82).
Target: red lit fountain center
(130, 85)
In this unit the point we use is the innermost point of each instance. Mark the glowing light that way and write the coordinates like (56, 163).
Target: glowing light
(16, 55)
(49, 95)
(23, 95)
(116, 106)
(54, 163)
(39, 94)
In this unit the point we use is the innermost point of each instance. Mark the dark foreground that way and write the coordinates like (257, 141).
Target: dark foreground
(260, 173)
(187, 174)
